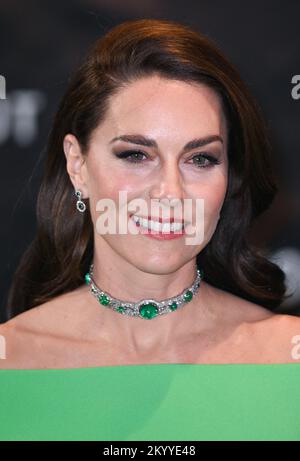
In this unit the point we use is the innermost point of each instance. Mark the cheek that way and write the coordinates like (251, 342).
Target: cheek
(112, 182)
(213, 196)
(109, 186)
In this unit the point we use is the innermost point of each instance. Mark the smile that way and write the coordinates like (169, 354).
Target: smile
(156, 226)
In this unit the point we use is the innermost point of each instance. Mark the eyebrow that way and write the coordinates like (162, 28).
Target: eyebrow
(148, 142)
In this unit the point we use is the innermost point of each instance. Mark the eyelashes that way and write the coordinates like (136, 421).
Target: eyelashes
(134, 157)
(131, 156)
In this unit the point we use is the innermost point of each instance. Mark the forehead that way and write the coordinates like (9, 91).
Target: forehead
(155, 106)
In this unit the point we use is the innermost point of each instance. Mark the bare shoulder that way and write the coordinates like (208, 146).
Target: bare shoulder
(278, 338)
(235, 310)
(258, 334)
(31, 335)
(282, 326)
(51, 317)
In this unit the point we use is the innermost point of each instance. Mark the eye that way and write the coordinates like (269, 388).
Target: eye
(135, 156)
(209, 158)
(131, 156)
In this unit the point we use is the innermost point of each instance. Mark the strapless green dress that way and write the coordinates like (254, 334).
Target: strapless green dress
(154, 402)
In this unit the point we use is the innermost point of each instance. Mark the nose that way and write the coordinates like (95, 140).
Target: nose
(168, 184)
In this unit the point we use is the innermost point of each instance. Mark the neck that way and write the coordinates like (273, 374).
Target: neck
(129, 283)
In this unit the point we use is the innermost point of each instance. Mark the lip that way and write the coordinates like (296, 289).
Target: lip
(157, 234)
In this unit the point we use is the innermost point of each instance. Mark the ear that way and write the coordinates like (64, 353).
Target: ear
(76, 164)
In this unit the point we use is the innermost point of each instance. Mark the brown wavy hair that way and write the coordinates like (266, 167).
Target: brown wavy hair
(59, 256)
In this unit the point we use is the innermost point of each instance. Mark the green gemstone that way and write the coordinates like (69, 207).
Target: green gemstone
(103, 299)
(87, 278)
(148, 311)
(173, 306)
(120, 309)
(188, 295)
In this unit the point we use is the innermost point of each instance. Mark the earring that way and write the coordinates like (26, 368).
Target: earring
(80, 205)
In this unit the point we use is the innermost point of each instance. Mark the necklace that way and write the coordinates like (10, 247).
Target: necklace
(146, 308)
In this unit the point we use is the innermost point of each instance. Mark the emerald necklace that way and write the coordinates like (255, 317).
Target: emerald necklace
(146, 308)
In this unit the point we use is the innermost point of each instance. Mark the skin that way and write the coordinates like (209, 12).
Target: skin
(215, 327)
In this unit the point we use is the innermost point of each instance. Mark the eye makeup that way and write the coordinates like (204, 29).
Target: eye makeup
(204, 159)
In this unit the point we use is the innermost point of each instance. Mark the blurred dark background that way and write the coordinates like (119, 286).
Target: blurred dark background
(41, 44)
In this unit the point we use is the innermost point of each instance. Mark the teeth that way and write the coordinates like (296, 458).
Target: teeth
(157, 226)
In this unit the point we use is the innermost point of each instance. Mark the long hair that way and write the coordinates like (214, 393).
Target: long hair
(59, 256)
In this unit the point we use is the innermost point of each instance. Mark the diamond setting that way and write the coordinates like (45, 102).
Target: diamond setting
(146, 308)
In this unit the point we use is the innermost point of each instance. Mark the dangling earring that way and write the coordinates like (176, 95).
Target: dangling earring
(80, 205)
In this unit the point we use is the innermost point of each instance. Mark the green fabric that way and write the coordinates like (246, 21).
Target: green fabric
(152, 402)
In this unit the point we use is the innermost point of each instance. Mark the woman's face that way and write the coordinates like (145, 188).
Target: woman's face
(172, 113)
